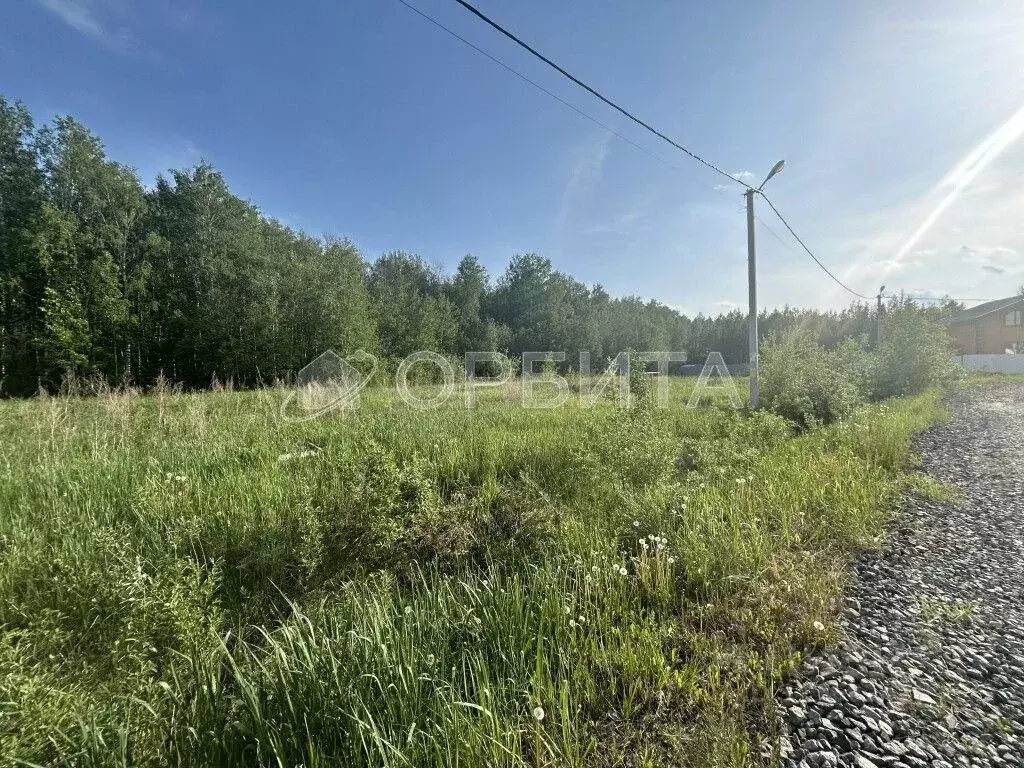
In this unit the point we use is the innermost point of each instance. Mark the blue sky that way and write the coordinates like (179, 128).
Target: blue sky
(900, 124)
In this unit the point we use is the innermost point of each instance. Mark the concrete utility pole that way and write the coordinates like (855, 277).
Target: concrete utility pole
(881, 316)
(755, 395)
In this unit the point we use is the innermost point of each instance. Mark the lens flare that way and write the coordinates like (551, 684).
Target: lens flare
(957, 180)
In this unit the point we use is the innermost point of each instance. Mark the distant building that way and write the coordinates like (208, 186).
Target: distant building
(992, 328)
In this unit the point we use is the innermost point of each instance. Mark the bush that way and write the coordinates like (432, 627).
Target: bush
(806, 383)
(916, 353)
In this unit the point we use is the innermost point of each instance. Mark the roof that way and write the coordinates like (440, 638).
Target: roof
(982, 310)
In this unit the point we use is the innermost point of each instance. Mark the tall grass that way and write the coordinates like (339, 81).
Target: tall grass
(185, 579)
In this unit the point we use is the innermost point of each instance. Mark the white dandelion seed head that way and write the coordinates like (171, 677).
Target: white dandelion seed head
(538, 713)
(819, 626)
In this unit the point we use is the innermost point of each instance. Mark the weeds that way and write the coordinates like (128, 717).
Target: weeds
(413, 588)
(934, 611)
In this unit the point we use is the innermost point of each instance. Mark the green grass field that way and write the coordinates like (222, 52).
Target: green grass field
(486, 587)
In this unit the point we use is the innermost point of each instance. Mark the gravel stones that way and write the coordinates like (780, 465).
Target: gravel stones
(931, 671)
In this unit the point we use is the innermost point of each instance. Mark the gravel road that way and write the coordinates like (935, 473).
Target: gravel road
(932, 669)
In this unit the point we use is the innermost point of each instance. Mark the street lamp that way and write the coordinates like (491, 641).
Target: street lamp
(775, 169)
(755, 398)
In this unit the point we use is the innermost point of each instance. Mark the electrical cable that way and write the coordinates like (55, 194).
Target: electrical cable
(526, 46)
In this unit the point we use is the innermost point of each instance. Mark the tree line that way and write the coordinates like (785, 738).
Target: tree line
(103, 276)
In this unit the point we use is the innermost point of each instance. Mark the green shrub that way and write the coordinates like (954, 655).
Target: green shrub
(806, 383)
(916, 353)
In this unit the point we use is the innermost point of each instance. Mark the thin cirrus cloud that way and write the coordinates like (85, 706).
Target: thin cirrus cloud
(83, 16)
(585, 171)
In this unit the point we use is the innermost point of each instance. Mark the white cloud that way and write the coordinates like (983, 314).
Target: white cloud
(747, 177)
(622, 223)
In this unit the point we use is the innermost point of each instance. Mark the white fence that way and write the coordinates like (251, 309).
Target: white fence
(992, 363)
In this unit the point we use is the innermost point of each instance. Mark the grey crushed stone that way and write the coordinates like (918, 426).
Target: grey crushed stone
(931, 670)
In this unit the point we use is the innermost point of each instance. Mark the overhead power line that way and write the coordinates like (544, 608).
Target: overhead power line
(538, 86)
(840, 282)
(533, 51)
(526, 46)
(810, 253)
(478, 13)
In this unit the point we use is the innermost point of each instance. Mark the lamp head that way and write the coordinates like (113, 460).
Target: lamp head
(775, 169)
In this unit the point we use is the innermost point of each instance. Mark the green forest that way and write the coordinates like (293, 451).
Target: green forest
(104, 276)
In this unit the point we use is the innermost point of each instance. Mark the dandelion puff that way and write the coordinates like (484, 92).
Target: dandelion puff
(582, 619)
(819, 626)
(572, 623)
(538, 713)
(430, 659)
(408, 610)
(636, 523)
(671, 560)
(622, 571)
